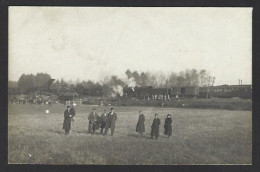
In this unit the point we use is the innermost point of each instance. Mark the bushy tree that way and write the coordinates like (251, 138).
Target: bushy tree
(42, 81)
(27, 83)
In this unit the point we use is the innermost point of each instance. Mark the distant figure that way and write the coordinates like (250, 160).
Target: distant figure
(73, 112)
(155, 127)
(67, 120)
(168, 125)
(92, 117)
(140, 124)
(103, 121)
(111, 121)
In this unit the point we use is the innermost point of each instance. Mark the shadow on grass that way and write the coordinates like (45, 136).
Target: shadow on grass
(57, 131)
(137, 135)
(81, 132)
(148, 137)
(86, 132)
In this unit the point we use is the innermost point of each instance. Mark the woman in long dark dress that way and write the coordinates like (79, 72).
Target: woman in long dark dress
(168, 125)
(155, 127)
(140, 124)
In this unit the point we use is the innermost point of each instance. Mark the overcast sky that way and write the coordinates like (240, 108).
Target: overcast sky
(83, 43)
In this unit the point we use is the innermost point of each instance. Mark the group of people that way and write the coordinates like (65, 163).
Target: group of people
(105, 121)
(108, 120)
(38, 99)
(140, 127)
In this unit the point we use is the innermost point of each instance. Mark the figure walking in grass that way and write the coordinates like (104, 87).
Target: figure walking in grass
(155, 126)
(111, 121)
(140, 124)
(68, 117)
(168, 125)
(92, 117)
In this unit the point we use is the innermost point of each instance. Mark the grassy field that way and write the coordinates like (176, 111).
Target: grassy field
(199, 137)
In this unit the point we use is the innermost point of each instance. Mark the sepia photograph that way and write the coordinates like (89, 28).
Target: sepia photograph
(130, 85)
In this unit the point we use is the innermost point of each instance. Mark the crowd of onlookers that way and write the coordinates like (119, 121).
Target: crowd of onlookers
(34, 99)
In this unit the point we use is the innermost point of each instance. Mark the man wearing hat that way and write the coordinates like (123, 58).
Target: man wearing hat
(140, 128)
(72, 110)
(168, 125)
(92, 117)
(103, 121)
(111, 121)
(155, 126)
(67, 120)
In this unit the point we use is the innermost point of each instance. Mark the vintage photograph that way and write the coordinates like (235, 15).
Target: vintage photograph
(130, 85)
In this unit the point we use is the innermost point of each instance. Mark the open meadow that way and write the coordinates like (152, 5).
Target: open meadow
(200, 136)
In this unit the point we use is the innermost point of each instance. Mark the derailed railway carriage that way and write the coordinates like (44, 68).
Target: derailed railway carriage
(223, 91)
(137, 92)
(147, 93)
(185, 92)
(204, 92)
(228, 91)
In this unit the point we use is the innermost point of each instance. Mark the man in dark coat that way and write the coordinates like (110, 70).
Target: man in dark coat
(111, 121)
(67, 120)
(72, 111)
(168, 125)
(103, 121)
(155, 126)
(140, 124)
(92, 117)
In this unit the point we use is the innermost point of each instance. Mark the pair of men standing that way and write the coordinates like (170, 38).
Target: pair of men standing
(105, 121)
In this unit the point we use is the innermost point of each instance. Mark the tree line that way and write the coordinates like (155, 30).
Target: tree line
(29, 83)
(112, 85)
(184, 78)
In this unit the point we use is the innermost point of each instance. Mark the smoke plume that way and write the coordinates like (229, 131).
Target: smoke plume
(118, 90)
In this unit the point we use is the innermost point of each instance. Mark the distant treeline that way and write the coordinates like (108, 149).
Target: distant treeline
(109, 85)
(30, 83)
(158, 79)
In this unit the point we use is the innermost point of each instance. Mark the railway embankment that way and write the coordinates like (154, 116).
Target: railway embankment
(213, 103)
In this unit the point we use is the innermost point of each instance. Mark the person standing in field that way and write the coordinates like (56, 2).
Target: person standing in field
(67, 120)
(168, 125)
(155, 126)
(111, 121)
(92, 117)
(73, 112)
(103, 121)
(140, 124)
